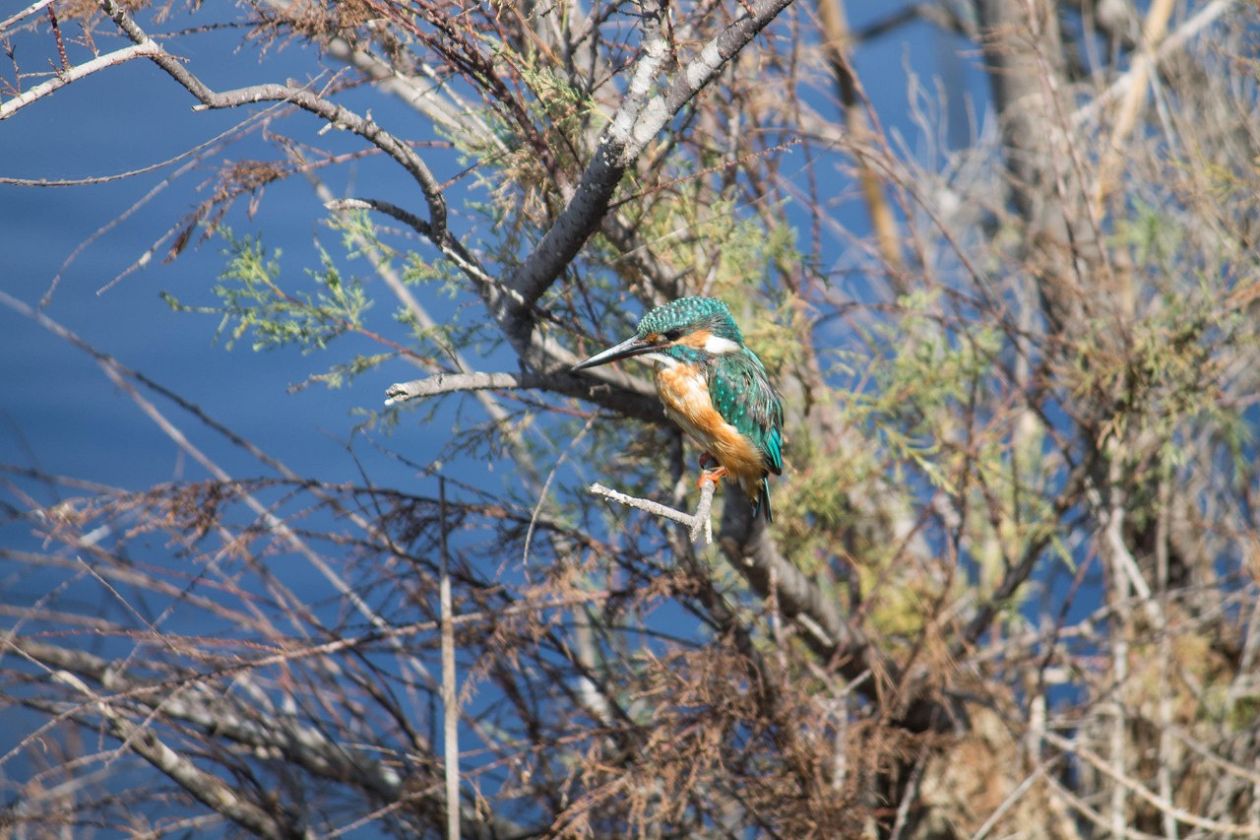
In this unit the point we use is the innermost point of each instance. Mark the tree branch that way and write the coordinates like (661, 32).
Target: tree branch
(207, 788)
(1178, 813)
(87, 68)
(301, 97)
(837, 47)
(630, 397)
(27, 12)
(1131, 106)
(635, 124)
(431, 96)
(750, 551)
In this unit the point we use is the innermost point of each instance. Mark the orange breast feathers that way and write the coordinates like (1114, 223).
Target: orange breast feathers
(685, 395)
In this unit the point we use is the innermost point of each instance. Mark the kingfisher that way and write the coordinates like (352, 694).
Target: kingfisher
(714, 387)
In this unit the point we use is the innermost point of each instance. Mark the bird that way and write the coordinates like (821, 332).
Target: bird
(714, 387)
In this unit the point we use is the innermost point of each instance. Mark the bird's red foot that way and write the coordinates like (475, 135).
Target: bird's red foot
(713, 476)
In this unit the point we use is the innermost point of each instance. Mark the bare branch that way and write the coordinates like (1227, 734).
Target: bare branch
(78, 71)
(632, 397)
(1143, 64)
(334, 114)
(428, 96)
(1099, 763)
(837, 46)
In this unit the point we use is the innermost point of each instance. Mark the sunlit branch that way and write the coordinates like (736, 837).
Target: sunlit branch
(78, 71)
(629, 401)
(27, 12)
(449, 383)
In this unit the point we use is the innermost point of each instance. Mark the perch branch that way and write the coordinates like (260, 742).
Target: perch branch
(448, 383)
(697, 522)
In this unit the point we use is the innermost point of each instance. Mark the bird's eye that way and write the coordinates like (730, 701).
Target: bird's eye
(673, 335)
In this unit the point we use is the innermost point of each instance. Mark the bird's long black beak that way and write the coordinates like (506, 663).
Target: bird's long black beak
(632, 346)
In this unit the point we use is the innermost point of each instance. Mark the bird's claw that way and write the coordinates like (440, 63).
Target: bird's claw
(713, 476)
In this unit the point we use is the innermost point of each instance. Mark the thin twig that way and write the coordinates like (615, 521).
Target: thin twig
(542, 495)
(61, 42)
(1013, 797)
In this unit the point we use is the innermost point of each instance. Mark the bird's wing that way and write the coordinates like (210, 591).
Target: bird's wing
(743, 395)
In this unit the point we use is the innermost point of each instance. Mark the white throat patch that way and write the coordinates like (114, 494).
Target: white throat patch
(719, 346)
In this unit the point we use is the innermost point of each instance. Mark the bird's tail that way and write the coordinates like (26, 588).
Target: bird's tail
(761, 501)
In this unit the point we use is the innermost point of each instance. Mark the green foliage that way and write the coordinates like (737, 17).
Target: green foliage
(1168, 377)
(253, 302)
(1151, 235)
(339, 374)
(931, 373)
(557, 103)
(1245, 713)
(359, 237)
